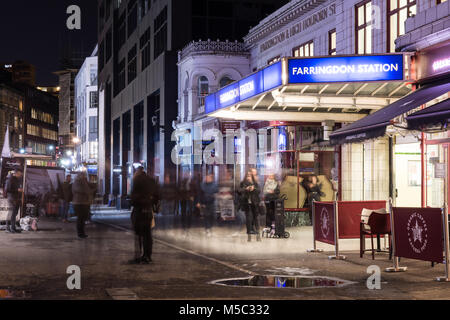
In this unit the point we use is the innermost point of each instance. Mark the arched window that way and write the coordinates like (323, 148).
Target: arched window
(225, 81)
(203, 90)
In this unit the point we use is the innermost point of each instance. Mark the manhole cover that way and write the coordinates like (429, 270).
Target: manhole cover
(298, 282)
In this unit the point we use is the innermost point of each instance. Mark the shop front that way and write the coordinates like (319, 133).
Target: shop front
(294, 105)
(415, 129)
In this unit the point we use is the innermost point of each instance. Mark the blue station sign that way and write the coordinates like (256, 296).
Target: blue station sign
(248, 87)
(346, 69)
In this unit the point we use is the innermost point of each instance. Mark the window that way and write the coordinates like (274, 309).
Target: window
(93, 99)
(304, 50)
(122, 30)
(273, 60)
(108, 10)
(132, 16)
(203, 90)
(332, 42)
(144, 7)
(42, 116)
(160, 30)
(144, 46)
(440, 1)
(121, 76)
(225, 81)
(93, 128)
(93, 150)
(132, 64)
(109, 46)
(363, 24)
(93, 75)
(101, 56)
(398, 12)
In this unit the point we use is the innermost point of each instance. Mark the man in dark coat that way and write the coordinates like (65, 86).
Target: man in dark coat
(14, 195)
(249, 201)
(66, 197)
(144, 198)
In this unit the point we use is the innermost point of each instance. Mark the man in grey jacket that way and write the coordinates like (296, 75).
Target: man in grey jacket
(82, 199)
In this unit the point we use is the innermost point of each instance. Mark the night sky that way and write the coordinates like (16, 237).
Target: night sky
(35, 31)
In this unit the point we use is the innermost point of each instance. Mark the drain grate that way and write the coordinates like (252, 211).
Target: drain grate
(273, 281)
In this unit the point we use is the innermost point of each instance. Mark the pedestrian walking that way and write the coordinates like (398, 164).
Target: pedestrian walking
(144, 199)
(207, 195)
(249, 202)
(66, 197)
(271, 194)
(185, 198)
(14, 194)
(82, 199)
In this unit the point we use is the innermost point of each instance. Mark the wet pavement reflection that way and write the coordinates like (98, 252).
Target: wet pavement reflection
(283, 282)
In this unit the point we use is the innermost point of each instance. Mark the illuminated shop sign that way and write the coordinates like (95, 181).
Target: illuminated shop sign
(346, 69)
(433, 62)
(248, 87)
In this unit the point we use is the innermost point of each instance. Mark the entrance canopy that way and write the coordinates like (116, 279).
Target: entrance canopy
(438, 114)
(375, 124)
(338, 88)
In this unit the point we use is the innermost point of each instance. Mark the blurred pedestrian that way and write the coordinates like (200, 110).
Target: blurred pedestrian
(14, 194)
(207, 199)
(271, 194)
(144, 199)
(169, 195)
(185, 198)
(82, 199)
(249, 202)
(66, 197)
(314, 191)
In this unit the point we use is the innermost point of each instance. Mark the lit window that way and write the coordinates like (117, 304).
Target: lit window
(304, 50)
(332, 42)
(203, 89)
(398, 12)
(364, 27)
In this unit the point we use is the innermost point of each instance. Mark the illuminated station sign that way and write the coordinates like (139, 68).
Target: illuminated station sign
(388, 67)
(248, 87)
(346, 69)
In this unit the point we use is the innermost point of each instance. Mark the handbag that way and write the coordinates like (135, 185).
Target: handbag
(153, 222)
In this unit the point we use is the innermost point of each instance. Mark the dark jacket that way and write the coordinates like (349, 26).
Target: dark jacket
(208, 193)
(144, 198)
(13, 184)
(245, 195)
(145, 191)
(66, 191)
(82, 191)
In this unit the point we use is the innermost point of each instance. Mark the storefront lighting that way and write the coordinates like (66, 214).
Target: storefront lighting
(69, 153)
(22, 150)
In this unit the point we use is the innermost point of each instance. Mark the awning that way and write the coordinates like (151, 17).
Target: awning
(438, 114)
(374, 125)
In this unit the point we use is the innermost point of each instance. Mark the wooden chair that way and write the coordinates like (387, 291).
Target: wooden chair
(378, 224)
